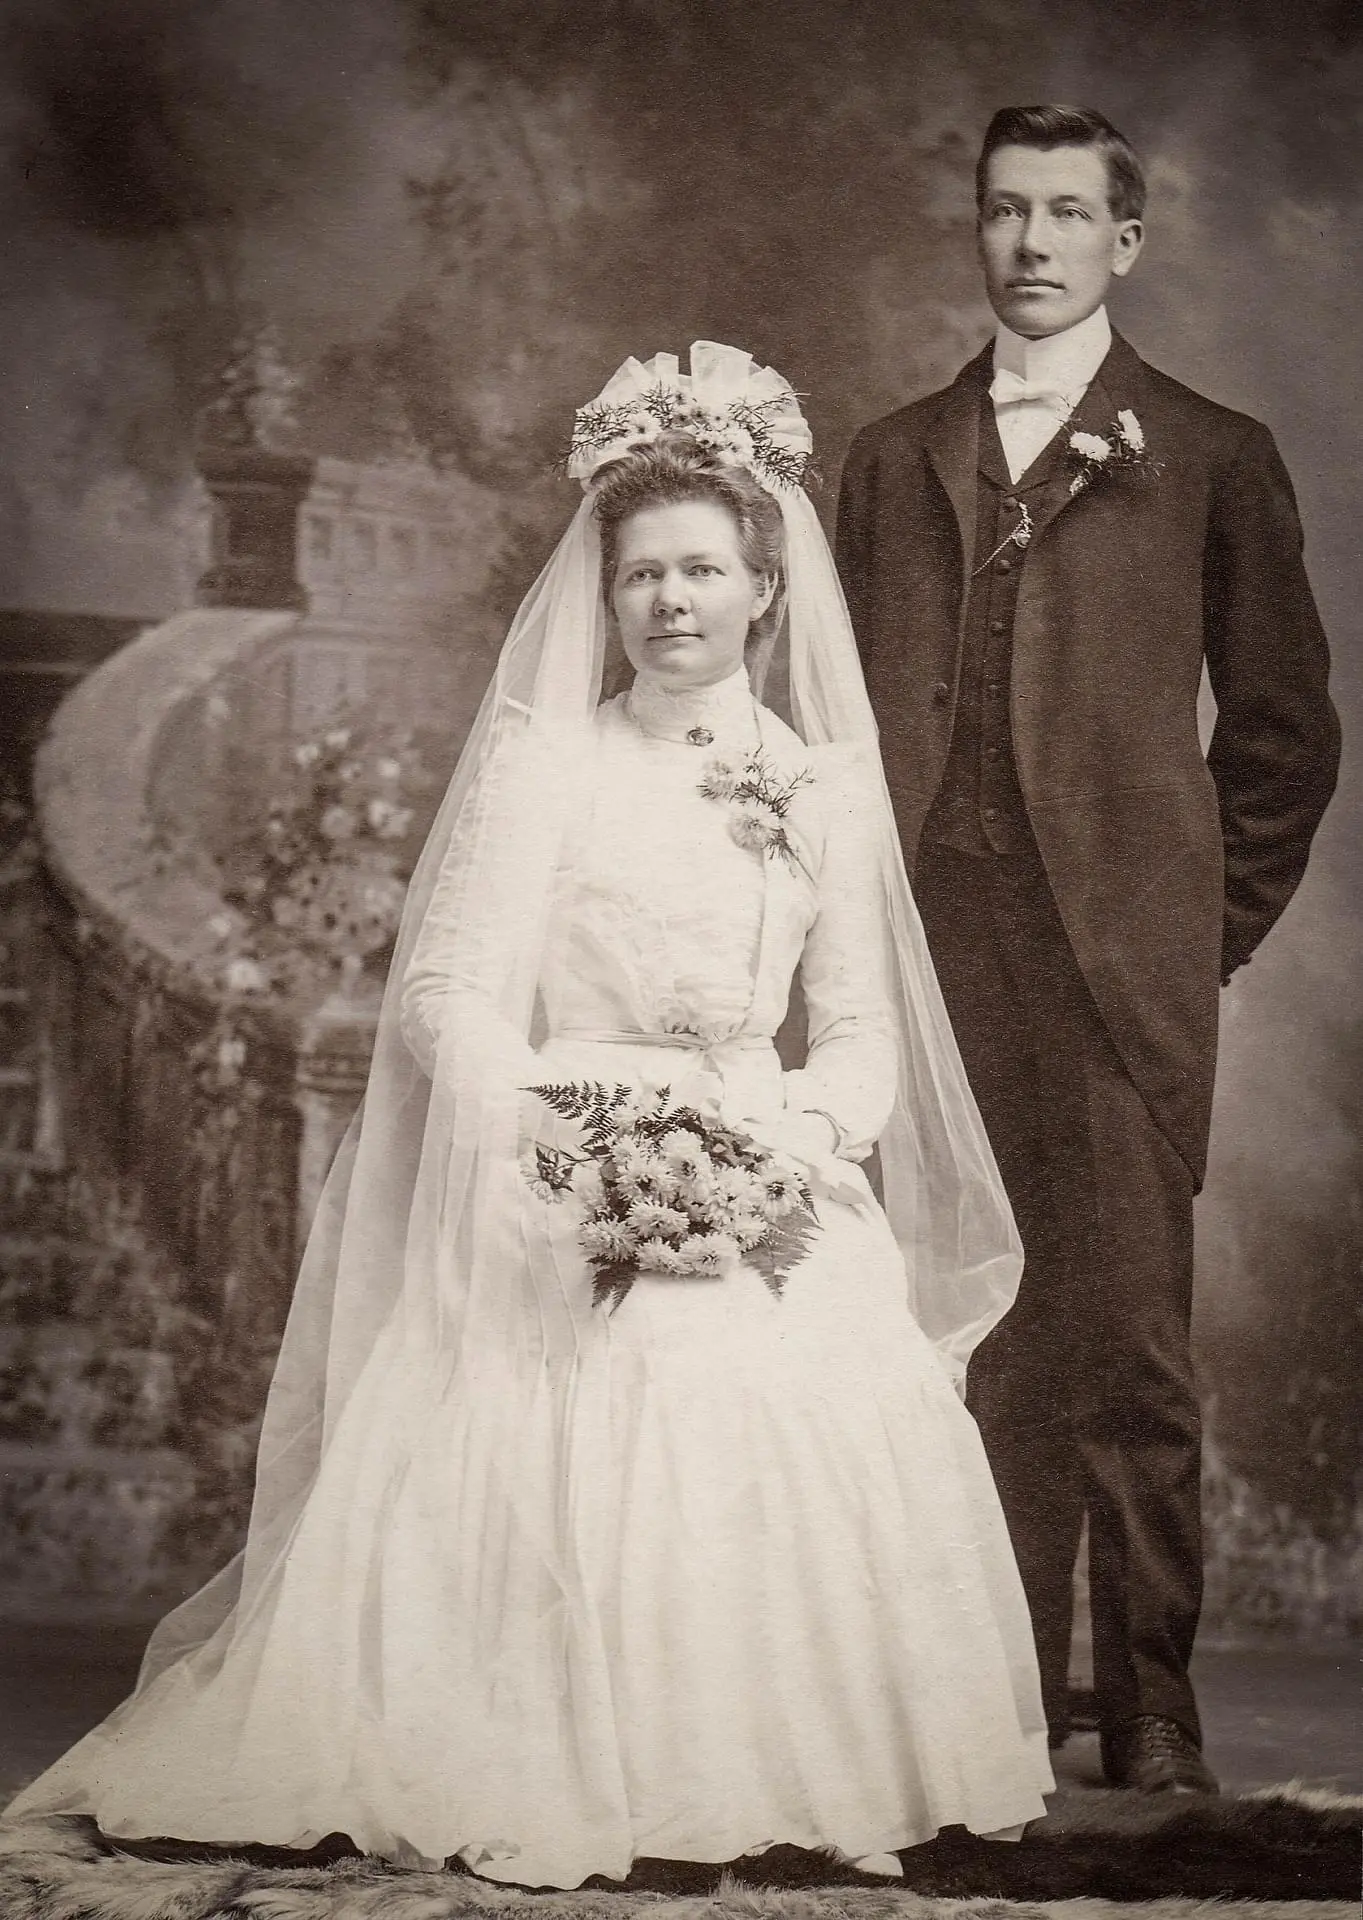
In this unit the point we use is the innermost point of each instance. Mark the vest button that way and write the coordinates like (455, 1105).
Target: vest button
(991, 753)
(998, 626)
(1010, 500)
(992, 687)
(1004, 566)
(941, 693)
(991, 813)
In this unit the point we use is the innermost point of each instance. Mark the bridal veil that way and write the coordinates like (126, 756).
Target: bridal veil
(418, 1226)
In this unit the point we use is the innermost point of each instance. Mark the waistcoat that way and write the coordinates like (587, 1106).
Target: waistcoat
(979, 806)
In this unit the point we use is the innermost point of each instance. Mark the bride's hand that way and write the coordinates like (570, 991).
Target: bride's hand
(808, 1139)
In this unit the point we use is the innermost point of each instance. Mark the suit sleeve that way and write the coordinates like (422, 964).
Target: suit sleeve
(1274, 753)
(853, 537)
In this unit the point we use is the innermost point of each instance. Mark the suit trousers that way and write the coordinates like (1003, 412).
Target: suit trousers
(1084, 1393)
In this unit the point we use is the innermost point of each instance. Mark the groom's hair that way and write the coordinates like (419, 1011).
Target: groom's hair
(1052, 126)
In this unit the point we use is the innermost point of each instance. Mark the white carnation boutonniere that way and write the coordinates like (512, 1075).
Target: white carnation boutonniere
(1122, 449)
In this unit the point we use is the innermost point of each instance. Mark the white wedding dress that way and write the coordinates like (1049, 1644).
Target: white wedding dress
(792, 1612)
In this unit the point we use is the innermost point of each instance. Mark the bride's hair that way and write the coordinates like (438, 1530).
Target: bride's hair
(675, 467)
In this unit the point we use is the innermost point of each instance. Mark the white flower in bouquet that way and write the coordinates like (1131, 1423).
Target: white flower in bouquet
(636, 1165)
(710, 1253)
(682, 1151)
(628, 1112)
(606, 1240)
(740, 1185)
(782, 1190)
(388, 769)
(658, 1256)
(339, 739)
(541, 1188)
(1091, 446)
(649, 1218)
(700, 1188)
(307, 755)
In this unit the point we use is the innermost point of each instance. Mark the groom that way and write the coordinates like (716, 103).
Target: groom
(1038, 560)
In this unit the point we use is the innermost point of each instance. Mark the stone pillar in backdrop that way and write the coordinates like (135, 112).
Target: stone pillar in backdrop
(255, 477)
(255, 496)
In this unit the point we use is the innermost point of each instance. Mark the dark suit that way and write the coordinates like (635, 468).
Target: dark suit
(1087, 878)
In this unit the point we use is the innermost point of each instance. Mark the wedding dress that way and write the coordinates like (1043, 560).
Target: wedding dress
(773, 1598)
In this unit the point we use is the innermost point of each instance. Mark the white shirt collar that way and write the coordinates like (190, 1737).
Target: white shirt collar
(1066, 361)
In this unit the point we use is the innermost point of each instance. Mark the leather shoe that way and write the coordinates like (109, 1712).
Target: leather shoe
(1154, 1754)
(885, 1866)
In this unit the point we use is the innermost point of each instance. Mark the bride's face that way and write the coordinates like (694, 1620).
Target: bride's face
(683, 596)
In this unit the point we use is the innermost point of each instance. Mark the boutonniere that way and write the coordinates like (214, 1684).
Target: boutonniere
(758, 802)
(1122, 450)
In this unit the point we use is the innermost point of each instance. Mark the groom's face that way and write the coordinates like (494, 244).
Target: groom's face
(1049, 242)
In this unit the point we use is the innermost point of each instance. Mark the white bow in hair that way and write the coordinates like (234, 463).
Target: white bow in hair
(746, 415)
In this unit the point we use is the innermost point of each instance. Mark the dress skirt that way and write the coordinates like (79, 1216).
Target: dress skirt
(729, 1571)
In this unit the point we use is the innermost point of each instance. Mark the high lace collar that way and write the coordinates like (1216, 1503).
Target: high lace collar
(725, 712)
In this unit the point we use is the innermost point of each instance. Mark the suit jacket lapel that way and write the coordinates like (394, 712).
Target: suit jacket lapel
(953, 447)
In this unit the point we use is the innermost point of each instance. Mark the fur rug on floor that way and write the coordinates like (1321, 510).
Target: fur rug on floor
(1096, 1854)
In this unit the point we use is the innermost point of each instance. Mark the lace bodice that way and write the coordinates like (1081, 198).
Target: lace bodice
(662, 922)
(658, 916)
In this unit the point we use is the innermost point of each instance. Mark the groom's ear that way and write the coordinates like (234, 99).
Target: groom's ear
(1126, 246)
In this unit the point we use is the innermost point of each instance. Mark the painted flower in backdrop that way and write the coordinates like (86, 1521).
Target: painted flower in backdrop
(314, 892)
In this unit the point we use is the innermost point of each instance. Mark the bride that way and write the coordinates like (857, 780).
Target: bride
(715, 1564)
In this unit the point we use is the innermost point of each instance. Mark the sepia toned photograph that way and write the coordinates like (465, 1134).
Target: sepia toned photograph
(681, 1072)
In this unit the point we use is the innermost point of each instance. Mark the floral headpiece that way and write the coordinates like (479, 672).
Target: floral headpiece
(742, 414)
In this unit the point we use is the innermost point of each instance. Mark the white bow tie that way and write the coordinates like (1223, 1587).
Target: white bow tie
(1008, 387)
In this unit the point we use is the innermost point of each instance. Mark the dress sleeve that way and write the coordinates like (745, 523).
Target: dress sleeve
(449, 998)
(475, 936)
(851, 1068)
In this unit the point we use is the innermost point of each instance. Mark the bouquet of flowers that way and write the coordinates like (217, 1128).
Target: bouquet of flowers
(665, 1189)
